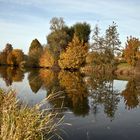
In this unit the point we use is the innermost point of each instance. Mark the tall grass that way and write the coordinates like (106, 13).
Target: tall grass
(20, 122)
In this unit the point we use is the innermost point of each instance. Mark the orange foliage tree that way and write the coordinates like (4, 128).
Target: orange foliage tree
(15, 57)
(46, 59)
(132, 50)
(75, 54)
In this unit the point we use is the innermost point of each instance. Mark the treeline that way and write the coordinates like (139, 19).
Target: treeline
(70, 48)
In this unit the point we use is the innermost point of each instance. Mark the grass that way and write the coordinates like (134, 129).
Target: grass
(20, 122)
(124, 65)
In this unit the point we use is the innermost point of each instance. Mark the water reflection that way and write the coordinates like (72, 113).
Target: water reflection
(34, 81)
(132, 94)
(76, 92)
(80, 94)
(101, 90)
(10, 75)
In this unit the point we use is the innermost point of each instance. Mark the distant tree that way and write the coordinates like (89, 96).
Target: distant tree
(112, 41)
(59, 36)
(132, 50)
(57, 24)
(15, 57)
(3, 55)
(106, 46)
(82, 31)
(35, 51)
(99, 41)
(8, 48)
(75, 54)
(47, 58)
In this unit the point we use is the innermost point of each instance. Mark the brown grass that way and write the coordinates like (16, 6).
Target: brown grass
(20, 122)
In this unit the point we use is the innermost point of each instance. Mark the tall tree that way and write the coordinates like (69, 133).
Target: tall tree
(59, 36)
(82, 31)
(113, 43)
(35, 52)
(132, 50)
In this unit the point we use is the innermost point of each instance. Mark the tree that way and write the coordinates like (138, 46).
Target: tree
(15, 57)
(132, 50)
(8, 48)
(35, 52)
(75, 54)
(82, 31)
(59, 36)
(46, 59)
(3, 55)
(3, 58)
(99, 41)
(112, 39)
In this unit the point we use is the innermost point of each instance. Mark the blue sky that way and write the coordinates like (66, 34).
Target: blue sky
(23, 20)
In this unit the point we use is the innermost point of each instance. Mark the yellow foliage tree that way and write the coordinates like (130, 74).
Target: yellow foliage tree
(75, 54)
(15, 57)
(47, 59)
(132, 50)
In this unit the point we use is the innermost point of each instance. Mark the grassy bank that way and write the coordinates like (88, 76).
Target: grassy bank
(124, 69)
(20, 122)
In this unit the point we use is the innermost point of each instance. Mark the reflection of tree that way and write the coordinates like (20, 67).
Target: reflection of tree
(102, 92)
(11, 74)
(50, 80)
(131, 94)
(34, 81)
(75, 91)
(51, 84)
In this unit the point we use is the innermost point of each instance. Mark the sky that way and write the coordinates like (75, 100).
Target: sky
(21, 21)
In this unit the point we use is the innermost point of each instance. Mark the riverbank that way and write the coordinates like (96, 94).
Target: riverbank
(120, 69)
(126, 69)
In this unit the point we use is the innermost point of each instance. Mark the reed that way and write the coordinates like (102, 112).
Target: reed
(20, 122)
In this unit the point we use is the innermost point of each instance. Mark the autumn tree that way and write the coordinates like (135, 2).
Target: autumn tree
(46, 59)
(3, 55)
(112, 41)
(132, 50)
(75, 54)
(15, 57)
(59, 36)
(106, 46)
(34, 54)
(82, 31)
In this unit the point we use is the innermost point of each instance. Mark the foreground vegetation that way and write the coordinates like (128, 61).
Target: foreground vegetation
(20, 122)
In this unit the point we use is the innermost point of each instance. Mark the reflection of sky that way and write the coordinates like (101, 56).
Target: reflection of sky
(120, 85)
(24, 91)
(23, 20)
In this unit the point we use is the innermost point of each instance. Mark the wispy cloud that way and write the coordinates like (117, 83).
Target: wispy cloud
(32, 16)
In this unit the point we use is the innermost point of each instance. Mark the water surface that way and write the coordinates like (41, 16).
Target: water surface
(97, 106)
